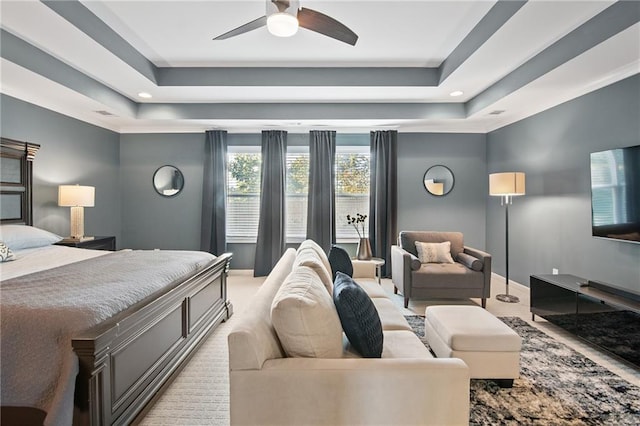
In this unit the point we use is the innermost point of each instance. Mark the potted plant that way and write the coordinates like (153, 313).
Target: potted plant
(364, 245)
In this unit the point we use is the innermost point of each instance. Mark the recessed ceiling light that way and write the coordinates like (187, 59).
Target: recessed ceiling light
(145, 95)
(456, 93)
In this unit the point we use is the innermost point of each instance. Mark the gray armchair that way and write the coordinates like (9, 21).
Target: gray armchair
(468, 276)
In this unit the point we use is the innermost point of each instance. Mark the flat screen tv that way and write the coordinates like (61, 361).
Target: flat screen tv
(615, 194)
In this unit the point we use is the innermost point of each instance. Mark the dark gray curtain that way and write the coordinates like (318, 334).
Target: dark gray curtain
(214, 193)
(383, 205)
(321, 211)
(271, 242)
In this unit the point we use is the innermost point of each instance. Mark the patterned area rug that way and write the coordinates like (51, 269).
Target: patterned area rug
(557, 386)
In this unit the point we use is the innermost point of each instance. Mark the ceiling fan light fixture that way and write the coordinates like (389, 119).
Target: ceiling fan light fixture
(282, 24)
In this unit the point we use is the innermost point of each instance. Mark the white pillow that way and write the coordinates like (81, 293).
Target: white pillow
(305, 318)
(434, 252)
(18, 237)
(5, 253)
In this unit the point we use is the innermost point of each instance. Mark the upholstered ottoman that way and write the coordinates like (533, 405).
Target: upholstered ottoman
(487, 345)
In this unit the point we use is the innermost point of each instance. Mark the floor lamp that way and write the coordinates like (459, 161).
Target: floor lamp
(507, 185)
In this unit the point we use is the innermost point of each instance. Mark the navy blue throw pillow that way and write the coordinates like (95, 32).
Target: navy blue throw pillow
(340, 261)
(358, 316)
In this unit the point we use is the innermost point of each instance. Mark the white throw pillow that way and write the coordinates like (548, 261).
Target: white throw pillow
(6, 254)
(18, 237)
(434, 252)
(305, 318)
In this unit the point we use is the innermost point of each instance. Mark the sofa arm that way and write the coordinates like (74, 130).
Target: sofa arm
(486, 268)
(294, 391)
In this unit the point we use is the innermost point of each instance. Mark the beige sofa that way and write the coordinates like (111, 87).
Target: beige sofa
(440, 280)
(407, 386)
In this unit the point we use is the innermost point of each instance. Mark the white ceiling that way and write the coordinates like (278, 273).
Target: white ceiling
(392, 34)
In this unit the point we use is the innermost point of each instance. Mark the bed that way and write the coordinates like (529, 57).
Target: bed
(91, 337)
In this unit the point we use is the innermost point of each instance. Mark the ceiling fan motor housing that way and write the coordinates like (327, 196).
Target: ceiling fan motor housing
(283, 6)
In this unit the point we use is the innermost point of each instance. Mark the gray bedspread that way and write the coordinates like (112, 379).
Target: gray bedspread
(41, 312)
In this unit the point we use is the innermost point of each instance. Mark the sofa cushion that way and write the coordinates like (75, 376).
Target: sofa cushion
(407, 240)
(470, 261)
(305, 318)
(371, 287)
(309, 257)
(397, 344)
(340, 261)
(358, 316)
(390, 315)
(434, 252)
(312, 245)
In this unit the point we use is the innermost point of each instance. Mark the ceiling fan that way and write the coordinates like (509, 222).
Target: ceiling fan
(283, 18)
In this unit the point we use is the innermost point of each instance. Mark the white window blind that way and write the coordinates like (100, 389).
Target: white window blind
(243, 193)
(352, 189)
(297, 192)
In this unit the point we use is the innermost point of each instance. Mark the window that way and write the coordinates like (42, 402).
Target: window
(352, 189)
(297, 192)
(243, 193)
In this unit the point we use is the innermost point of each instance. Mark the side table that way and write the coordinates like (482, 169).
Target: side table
(96, 243)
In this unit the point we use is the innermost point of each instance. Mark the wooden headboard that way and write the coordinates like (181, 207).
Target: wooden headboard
(16, 181)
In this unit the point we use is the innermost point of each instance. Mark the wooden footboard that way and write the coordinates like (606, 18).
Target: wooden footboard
(126, 360)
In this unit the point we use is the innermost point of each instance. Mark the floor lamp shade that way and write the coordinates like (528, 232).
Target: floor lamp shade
(77, 197)
(507, 185)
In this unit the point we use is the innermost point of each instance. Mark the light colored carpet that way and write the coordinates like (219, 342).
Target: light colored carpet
(200, 393)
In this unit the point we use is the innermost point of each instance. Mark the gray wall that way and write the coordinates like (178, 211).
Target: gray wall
(71, 152)
(550, 227)
(463, 209)
(149, 220)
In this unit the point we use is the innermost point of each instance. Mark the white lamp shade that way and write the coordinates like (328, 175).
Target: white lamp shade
(76, 196)
(282, 24)
(508, 183)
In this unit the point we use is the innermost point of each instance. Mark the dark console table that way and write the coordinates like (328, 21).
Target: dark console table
(602, 314)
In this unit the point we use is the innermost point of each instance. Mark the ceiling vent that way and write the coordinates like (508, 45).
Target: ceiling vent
(497, 112)
(105, 113)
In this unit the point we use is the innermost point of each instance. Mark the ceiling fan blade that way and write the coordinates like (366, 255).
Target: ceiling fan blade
(323, 24)
(249, 26)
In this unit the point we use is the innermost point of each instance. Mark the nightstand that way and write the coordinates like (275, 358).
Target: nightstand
(97, 243)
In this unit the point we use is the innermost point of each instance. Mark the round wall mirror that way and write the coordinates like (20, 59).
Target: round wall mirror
(438, 180)
(168, 181)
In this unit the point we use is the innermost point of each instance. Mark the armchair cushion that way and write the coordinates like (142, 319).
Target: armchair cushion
(434, 252)
(340, 261)
(470, 261)
(358, 316)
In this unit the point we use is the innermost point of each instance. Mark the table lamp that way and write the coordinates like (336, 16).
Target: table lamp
(77, 197)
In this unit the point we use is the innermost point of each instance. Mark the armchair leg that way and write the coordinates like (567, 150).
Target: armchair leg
(406, 302)
(484, 302)
(395, 289)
